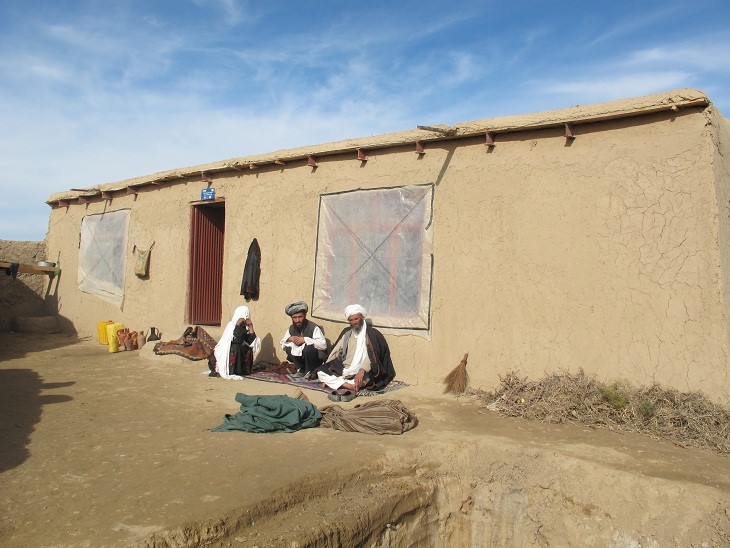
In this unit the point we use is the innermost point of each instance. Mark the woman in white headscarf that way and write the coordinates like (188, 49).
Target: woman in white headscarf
(237, 347)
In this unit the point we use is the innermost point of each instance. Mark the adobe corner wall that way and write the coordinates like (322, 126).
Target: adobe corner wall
(718, 131)
(607, 253)
(25, 295)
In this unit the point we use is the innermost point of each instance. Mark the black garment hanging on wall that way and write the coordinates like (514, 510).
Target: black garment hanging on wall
(252, 272)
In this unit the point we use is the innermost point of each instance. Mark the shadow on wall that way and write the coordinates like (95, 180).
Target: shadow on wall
(29, 296)
(21, 404)
(26, 295)
(18, 299)
(268, 350)
(66, 325)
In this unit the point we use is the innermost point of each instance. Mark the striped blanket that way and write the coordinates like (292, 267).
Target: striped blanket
(372, 417)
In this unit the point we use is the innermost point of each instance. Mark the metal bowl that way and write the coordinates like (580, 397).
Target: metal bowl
(46, 263)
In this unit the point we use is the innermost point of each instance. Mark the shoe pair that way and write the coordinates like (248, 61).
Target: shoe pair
(341, 395)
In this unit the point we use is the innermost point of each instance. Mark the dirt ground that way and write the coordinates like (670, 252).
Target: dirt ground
(104, 449)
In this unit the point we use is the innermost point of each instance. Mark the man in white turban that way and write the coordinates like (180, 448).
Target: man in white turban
(303, 342)
(360, 359)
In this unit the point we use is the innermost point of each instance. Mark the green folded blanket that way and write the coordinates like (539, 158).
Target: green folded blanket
(271, 414)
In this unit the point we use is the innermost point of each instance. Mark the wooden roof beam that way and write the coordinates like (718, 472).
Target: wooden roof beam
(569, 131)
(449, 132)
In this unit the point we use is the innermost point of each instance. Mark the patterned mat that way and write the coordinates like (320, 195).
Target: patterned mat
(284, 378)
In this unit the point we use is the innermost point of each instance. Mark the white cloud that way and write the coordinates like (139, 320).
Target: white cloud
(711, 56)
(233, 10)
(602, 87)
(661, 67)
(635, 23)
(42, 69)
(465, 67)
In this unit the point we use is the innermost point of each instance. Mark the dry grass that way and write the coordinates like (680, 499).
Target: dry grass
(686, 419)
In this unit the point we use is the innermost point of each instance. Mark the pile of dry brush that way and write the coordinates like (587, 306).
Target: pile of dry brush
(687, 419)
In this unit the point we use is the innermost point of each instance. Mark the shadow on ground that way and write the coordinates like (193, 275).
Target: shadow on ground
(15, 345)
(23, 398)
(20, 410)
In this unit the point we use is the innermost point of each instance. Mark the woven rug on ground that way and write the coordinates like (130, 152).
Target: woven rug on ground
(285, 378)
(194, 344)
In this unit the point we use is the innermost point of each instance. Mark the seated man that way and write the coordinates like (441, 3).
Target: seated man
(360, 357)
(303, 342)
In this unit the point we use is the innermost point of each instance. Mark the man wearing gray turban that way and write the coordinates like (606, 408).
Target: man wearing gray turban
(360, 359)
(304, 341)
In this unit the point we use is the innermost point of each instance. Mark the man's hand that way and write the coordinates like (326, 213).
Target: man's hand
(296, 340)
(356, 382)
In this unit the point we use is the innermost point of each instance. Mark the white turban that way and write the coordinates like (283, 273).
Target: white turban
(354, 309)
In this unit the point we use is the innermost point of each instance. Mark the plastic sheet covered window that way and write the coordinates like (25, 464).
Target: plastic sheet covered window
(102, 255)
(374, 248)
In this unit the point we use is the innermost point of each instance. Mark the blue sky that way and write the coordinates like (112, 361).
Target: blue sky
(93, 92)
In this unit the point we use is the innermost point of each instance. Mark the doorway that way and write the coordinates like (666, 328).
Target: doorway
(207, 228)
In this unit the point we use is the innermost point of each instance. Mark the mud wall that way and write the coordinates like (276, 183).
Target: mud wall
(718, 129)
(27, 294)
(606, 252)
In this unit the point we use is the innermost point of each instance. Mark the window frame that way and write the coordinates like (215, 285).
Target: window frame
(391, 315)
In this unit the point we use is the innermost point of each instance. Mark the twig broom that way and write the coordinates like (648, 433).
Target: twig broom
(457, 381)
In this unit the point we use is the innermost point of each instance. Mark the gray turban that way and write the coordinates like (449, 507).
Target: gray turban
(293, 308)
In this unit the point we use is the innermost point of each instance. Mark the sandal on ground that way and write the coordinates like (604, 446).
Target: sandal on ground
(347, 395)
(334, 396)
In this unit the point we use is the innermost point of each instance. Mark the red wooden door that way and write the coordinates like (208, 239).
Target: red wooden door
(206, 263)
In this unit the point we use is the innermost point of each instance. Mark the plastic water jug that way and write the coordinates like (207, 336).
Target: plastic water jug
(111, 336)
(101, 326)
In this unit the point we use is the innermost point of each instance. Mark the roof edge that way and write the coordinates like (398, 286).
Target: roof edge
(580, 114)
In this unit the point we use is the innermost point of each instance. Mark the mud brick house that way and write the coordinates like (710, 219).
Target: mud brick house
(591, 237)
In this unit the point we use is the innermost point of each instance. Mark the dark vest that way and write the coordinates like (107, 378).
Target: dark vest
(306, 331)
